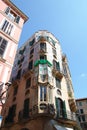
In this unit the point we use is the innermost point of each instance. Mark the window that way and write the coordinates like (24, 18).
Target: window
(28, 83)
(7, 27)
(12, 15)
(79, 119)
(32, 51)
(54, 51)
(17, 19)
(1, 87)
(30, 65)
(7, 10)
(56, 65)
(43, 57)
(83, 117)
(61, 108)
(19, 74)
(43, 93)
(11, 114)
(26, 108)
(81, 111)
(15, 90)
(43, 46)
(3, 44)
(58, 83)
(80, 103)
(32, 42)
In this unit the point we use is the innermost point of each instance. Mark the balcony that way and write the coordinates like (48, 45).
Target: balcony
(57, 73)
(66, 117)
(45, 79)
(72, 105)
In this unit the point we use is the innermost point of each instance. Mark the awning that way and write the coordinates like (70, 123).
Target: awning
(42, 62)
(58, 127)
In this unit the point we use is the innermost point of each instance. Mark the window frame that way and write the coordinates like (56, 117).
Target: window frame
(1, 46)
(7, 27)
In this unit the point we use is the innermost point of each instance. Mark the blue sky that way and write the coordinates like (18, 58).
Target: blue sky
(67, 20)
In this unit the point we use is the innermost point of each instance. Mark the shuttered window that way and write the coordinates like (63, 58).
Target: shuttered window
(3, 44)
(7, 27)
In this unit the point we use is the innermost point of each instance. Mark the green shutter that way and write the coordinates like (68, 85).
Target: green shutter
(56, 99)
(64, 110)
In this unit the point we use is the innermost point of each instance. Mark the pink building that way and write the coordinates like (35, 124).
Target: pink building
(11, 23)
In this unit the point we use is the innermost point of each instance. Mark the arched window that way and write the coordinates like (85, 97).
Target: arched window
(61, 108)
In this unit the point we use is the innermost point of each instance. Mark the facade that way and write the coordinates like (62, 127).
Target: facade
(41, 96)
(11, 23)
(82, 112)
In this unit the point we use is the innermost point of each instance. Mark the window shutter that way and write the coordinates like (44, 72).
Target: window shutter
(17, 19)
(57, 66)
(7, 10)
(64, 110)
(3, 44)
(56, 100)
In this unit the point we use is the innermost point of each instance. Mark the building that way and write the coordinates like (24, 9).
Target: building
(41, 96)
(82, 112)
(11, 22)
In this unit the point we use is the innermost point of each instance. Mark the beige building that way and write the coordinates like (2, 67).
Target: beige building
(41, 96)
(82, 112)
(11, 23)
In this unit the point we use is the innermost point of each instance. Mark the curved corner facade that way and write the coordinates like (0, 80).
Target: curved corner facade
(41, 96)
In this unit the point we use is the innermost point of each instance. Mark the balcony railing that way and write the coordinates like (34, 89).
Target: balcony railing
(48, 110)
(62, 114)
(45, 79)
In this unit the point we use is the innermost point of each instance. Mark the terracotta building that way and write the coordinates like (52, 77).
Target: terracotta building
(82, 112)
(41, 96)
(11, 23)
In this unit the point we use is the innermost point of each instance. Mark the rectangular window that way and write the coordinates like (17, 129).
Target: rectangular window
(28, 83)
(58, 83)
(7, 27)
(83, 118)
(43, 93)
(11, 114)
(56, 65)
(30, 65)
(81, 111)
(79, 119)
(32, 51)
(54, 51)
(26, 108)
(80, 103)
(43, 57)
(3, 44)
(19, 74)
(43, 46)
